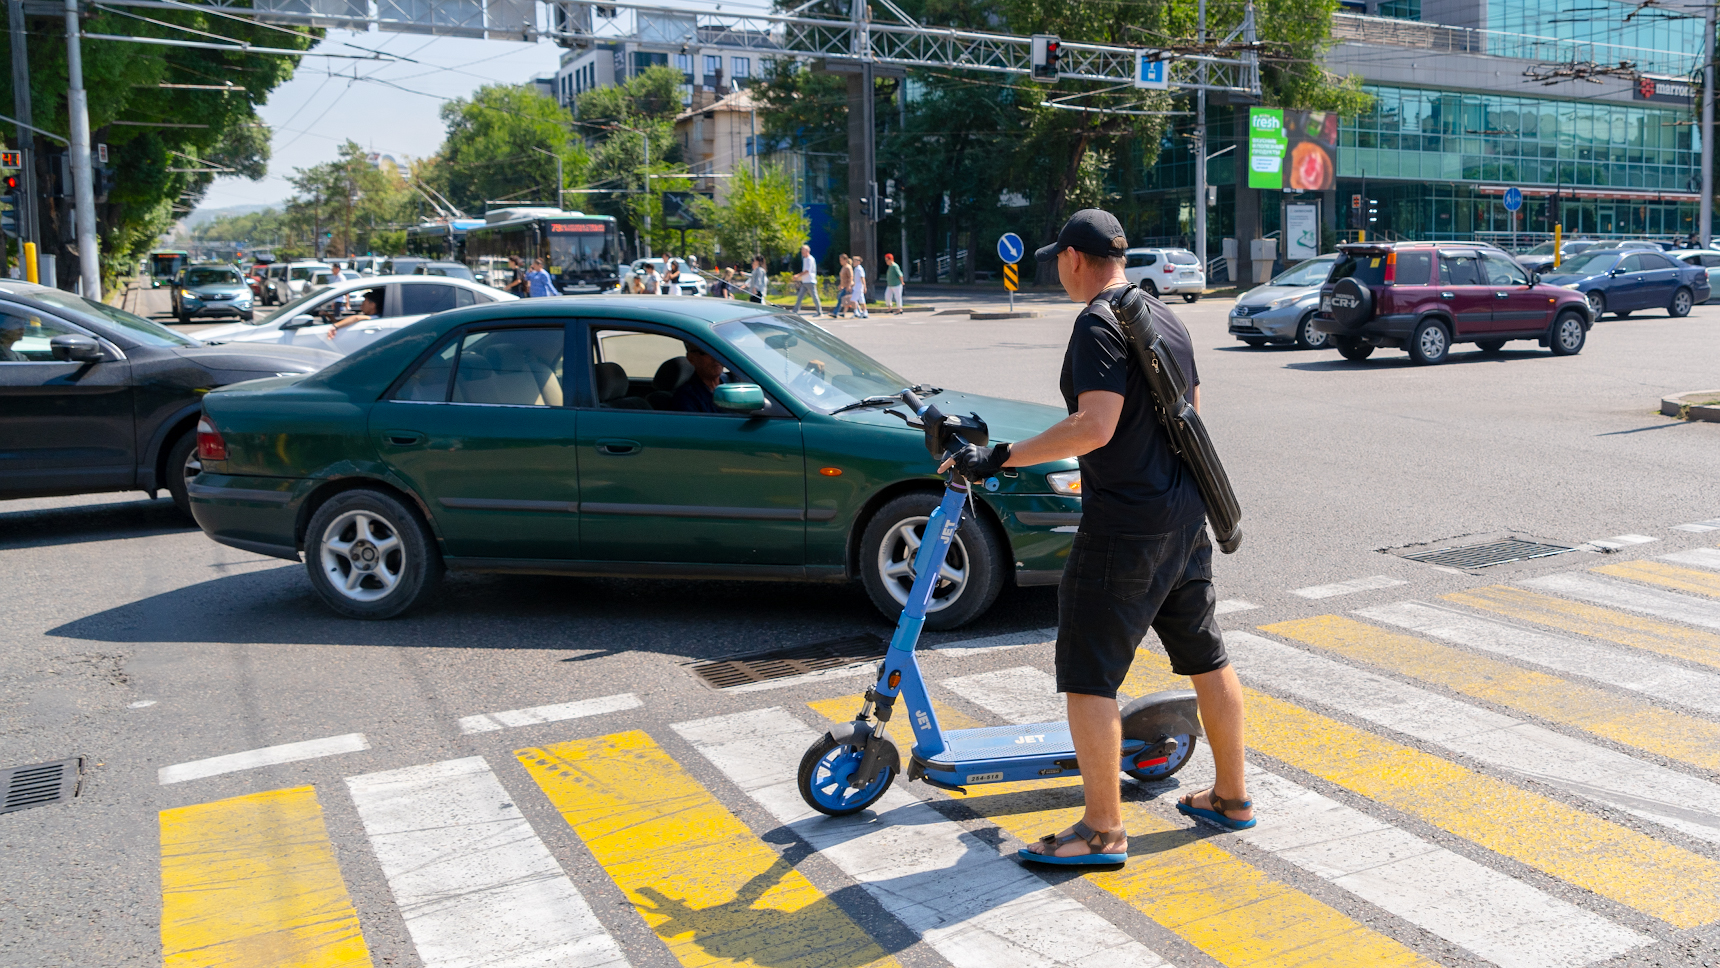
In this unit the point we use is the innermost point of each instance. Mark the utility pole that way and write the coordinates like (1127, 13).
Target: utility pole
(29, 229)
(1200, 149)
(83, 192)
(645, 136)
(560, 185)
(1705, 223)
(862, 140)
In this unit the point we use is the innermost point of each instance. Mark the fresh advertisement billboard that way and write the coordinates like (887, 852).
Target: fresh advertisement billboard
(1292, 149)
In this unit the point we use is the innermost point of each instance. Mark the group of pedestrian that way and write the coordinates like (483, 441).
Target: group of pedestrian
(529, 283)
(851, 291)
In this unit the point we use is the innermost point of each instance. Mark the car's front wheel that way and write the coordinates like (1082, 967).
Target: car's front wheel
(1148, 287)
(370, 556)
(1430, 343)
(972, 575)
(1597, 304)
(1309, 338)
(1568, 335)
(180, 467)
(1352, 349)
(1682, 300)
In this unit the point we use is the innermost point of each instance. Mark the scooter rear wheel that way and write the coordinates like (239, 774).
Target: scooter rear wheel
(823, 778)
(1172, 763)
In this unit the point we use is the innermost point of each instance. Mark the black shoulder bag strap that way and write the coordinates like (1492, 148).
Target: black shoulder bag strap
(1182, 424)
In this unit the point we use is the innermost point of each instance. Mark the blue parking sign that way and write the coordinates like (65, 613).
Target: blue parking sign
(1010, 247)
(1513, 199)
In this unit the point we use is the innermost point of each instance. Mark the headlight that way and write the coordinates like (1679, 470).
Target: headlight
(1570, 285)
(1065, 482)
(1283, 301)
(187, 294)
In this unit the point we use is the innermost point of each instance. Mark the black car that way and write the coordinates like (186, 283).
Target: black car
(93, 398)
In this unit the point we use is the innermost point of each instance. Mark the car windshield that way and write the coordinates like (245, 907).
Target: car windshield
(1310, 273)
(1590, 263)
(291, 309)
(1369, 268)
(1545, 248)
(202, 276)
(136, 327)
(824, 372)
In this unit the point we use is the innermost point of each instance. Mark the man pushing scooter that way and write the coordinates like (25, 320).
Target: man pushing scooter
(1142, 557)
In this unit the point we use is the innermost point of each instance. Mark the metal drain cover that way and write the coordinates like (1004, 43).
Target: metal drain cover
(781, 663)
(1488, 553)
(39, 784)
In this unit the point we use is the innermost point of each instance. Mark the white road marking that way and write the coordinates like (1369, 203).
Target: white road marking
(1233, 605)
(310, 749)
(1020, 695)
(141, 704)
(993, 643)
(1349, 587)
(1703, 612)
(1621, 667)
(531, 716)
(1489, 913)
(1713, 524)
(1652, 792)
(867, 668)
(972, 906)
(473, 882)
(1616, 542)
(1696, 558)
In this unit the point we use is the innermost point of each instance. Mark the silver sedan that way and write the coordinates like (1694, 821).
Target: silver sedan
(1282, 310)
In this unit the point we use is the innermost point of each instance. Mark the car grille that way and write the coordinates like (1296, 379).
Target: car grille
(1249, 330)
(1243, 312)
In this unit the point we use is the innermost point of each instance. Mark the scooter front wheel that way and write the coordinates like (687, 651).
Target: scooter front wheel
(824, 774)
(1162, 768)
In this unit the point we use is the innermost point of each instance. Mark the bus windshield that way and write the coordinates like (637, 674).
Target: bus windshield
(580, 252)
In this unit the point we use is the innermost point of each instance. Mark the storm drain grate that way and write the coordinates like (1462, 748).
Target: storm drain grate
(39, 784)
(1488, 553)
(780, 664)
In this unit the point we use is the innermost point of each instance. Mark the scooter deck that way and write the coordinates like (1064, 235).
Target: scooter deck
(993, 753)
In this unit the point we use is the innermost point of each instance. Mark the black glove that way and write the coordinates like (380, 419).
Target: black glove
(977, 463)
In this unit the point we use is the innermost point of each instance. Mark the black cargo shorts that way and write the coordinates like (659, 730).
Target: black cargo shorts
(1116, 586)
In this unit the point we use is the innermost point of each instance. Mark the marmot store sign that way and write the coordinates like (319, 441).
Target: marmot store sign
(1292, 149)
(1666, 90)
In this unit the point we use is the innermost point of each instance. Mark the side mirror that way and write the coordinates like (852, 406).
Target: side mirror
(739, 397)
(1534, 278)
(299, 322)
(76, 348)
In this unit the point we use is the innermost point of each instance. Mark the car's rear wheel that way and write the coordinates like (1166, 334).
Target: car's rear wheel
(1490, 345)
(1309, 338)
(1353, 349)
(1597, 304)
(1189, 297)
(1147, 287)
(1430, 343)
(1682, 300)
(1568, 335)
(969, 582)
(370, 556)
(180, 467)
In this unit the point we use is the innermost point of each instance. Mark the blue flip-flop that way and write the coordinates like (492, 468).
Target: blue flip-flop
(1092, 838)
(1216, 816)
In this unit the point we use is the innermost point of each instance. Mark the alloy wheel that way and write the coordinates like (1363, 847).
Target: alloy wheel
(896, 564)
(362, 556)
(1570, 334)
(1597, 303)
(1432, 342)
(1681, 301)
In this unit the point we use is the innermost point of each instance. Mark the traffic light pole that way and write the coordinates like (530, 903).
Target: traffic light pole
(78, 108)
(28, 227)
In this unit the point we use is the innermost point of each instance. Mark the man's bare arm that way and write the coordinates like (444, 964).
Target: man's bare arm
(1083, 431)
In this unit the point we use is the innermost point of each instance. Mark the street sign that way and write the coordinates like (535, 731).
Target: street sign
(1010, 248)
(11, 159)
(1150, 73)
(1513, 199)
(1011, 280)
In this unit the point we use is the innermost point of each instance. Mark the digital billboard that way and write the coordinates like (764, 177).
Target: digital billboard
(1292, 149)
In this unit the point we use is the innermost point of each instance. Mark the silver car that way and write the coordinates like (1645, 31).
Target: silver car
(307, 321)
(1282, 311)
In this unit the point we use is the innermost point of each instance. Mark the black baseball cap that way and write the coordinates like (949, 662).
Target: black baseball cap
(1091, 230)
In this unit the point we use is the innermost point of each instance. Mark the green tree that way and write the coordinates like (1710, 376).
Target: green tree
(490, 150)
(760, 216)
(347, 200)
(618, 123)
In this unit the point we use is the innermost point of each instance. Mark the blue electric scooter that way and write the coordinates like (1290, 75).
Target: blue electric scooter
(851, 766)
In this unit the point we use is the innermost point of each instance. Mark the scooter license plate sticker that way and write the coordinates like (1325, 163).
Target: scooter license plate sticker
(984, 777)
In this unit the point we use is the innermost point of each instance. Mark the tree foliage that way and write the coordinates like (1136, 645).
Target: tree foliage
(618, 123)
(759, 216)
(495, 144)
(343, 207)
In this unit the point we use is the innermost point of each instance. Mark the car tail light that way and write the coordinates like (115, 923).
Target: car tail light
(1169, 268)
(210, 445)
(1391, 268)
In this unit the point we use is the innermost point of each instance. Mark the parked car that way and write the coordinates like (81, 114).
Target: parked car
(97, 399)
(1166, 271)
(692, 284)
(287, 281)
(1540, 258)
(545, 436)
(405, 300)
(1425, 296)
(1708, 259)
(210, 290)
(1623, 281)
(1282, 310)
(452, 270)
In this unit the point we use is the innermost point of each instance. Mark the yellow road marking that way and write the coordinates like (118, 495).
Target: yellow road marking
(252, 882)
(1225, 907)
(842, 710)
(704, 882)
(1625, 719)
(1668, 576)
(1636, 631)
(1660, 880)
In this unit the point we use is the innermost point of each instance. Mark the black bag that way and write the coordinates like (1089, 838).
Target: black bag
(1182, 424)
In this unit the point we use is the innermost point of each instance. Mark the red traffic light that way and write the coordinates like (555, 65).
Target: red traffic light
(11, 183)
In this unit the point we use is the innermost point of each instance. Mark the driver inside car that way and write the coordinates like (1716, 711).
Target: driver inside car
(369, 309)
(698, 395)
(12, 329)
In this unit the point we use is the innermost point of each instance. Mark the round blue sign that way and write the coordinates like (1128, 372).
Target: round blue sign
(1513, 199)
(1010, 247)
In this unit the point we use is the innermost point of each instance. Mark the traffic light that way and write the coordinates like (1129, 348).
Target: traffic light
(889, 206)
(866, 207)
(1373, 211)
(1046, 51)
(103, 178)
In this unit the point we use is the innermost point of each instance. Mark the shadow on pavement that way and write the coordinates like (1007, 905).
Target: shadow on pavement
(47, 527)
(1398, 359)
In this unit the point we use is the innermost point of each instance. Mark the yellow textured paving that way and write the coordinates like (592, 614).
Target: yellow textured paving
(1658, 879)
(1636, 631)
(1622, 718)
(704, 882)
(252, 882)
(843, 708)
(1665, 575)
(1178, 877)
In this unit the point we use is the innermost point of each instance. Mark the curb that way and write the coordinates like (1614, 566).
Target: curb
(1694, 405)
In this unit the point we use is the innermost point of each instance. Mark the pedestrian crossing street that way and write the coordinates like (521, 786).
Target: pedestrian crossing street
(1524, 775)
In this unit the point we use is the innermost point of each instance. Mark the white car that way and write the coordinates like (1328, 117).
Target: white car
(306, 321)
(692, 284)
(1164, 271)
(287, 280)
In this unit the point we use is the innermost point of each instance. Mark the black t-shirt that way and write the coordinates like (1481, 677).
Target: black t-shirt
(1136, 484)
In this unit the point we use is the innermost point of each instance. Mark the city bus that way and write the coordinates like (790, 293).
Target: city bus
(443, 240)
(164, 264)
(580, 251)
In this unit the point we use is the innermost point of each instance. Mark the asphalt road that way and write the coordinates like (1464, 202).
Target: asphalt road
(136, 643)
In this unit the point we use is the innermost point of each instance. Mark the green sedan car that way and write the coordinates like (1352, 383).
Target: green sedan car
(614, 436)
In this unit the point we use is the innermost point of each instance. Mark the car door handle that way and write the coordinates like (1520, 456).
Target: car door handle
(1502, 295)
(618, 447)
(1448, 295)
(403, 438)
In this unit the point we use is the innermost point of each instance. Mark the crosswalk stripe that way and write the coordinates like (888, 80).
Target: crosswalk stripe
(1699, 526)
(1617, 542)
(1348, 587)
(1602, 623)
(1020, 695)
(1487, 912)
(842, 709)
(711, 890)
(1615, 862)
(1618, 718)
(473, 883)
(1617, 594)
(252, 882)
(970, 905)
(1647, 790)
(309, 749)
(1603, 663)
(1233, 605)
(533, 715)
(1665, 575)
(1695, 557)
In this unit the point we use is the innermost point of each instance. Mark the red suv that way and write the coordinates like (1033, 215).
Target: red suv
(1425, 296)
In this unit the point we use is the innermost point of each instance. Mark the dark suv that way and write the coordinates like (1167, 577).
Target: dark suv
(1425, 296)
